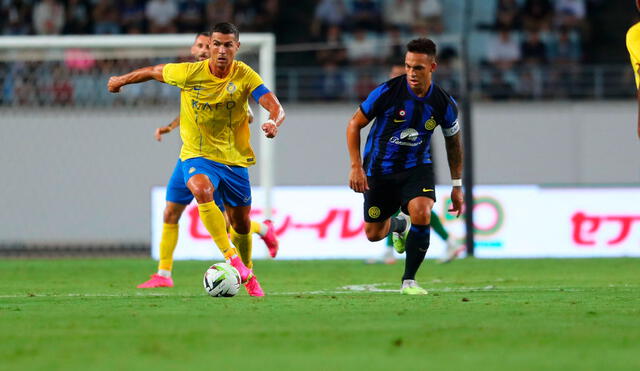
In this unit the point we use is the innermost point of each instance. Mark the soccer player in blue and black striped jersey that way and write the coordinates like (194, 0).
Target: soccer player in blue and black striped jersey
(397, 170)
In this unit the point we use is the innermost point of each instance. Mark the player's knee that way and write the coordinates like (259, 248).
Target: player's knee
(203, 193)
(420, 216)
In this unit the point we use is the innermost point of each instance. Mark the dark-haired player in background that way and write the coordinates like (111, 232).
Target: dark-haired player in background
(179, 196)
(397, 170)
(633, 46)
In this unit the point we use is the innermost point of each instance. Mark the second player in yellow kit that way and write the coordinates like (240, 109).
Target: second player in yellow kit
(215, 134)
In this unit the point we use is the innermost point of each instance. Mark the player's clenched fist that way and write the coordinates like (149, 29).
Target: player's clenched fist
(270, 129)
(114, 84)
(358, 180)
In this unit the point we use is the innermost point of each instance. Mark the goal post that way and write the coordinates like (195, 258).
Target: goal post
(37, 49)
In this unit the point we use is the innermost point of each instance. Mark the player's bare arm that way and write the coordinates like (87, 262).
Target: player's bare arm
(454, 156)
(357, 176)
(136, 76)
(276, 114)
(167, 129)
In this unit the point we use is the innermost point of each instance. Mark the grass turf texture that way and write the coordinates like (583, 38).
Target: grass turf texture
(480, 314)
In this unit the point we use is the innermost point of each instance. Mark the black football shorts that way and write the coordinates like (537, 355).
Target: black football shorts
(388, 193)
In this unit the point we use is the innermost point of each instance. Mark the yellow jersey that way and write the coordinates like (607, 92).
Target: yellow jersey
(633, 45)
(214, 123)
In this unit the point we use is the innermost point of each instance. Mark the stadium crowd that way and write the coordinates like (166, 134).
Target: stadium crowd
(524, 49)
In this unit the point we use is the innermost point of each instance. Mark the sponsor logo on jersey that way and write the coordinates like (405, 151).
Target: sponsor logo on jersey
(408, 137)
(204, 106)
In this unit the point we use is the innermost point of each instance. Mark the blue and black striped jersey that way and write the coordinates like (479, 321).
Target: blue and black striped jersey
(401, 133)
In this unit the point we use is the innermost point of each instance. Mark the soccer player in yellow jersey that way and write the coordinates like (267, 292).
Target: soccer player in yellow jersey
(179, 196)
(633, 46)
(214, 129)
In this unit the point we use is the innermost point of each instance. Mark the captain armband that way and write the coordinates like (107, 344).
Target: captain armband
(449, 132)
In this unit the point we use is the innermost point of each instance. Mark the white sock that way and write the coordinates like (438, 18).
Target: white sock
(164, 273)
(263, 229)
(409, 283)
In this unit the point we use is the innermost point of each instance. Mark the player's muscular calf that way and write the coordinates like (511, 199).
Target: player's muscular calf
(239, 218)
(173, 212)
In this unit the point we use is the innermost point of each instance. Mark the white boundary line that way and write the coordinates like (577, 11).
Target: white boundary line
(349, 289)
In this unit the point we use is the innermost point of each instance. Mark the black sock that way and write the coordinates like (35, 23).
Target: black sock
(397, 224)
(415, 248)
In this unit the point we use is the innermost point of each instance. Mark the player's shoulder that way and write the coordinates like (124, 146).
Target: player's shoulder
(439, 95)
(634, 32)
(242, 68)
(390, 87)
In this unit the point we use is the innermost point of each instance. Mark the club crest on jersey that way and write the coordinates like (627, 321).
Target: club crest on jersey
(430, 124)
(231, 88)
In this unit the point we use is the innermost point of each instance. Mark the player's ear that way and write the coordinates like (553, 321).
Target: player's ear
(237, 44)
(434, 65)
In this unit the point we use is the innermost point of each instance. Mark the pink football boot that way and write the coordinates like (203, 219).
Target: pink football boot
(253, 287)
(270, 238)
(157, 281)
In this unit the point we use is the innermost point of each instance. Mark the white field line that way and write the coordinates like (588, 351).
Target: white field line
(349, 289)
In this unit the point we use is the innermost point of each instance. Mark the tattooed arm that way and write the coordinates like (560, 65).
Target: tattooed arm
(454, 156)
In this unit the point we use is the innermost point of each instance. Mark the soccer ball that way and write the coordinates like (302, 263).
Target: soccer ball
(221, 279)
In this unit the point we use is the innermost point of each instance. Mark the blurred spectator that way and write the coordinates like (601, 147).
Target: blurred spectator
(570, 13)
(503, 52)
(332, 85)
(508, 15)
(393, 45)
(362, 48)
(218, 11)
(18, 17)
(565, 48)
(533, 51)
(399, 14)
(537, 15)
(132, 16)
(161, 16)
(498, 88)
(48, 17)
(328, 13)
(366, 15)
(430, 12)
(245, 13)
(335, 52)
(78, 18)
(190, 19)
(106, 17)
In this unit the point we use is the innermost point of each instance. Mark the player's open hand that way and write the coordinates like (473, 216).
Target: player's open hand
(114, 84)
(161, 131)
(457, 201)
(358, 180)
(270, 129)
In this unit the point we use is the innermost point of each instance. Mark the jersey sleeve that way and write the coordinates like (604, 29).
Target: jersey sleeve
(176, 74)
(373, 105)
(633, 46)
(255, 84)
(450, 125)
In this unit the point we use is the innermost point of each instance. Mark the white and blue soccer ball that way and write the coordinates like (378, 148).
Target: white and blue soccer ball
(222, 279)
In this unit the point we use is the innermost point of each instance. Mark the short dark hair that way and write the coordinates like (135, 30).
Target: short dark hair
(226, 28)
(422, 46)
(205, 33)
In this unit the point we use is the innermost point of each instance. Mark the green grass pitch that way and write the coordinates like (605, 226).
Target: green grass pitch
(567, 314)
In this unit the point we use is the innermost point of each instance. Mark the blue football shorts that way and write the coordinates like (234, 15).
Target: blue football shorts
(178, 192)
(231, 183)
